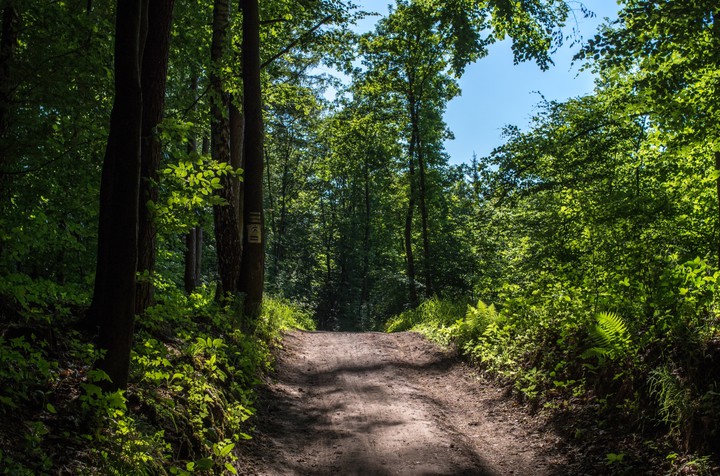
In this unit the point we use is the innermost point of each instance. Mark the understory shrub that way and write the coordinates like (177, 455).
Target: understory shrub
(186, 408)
(654, 365)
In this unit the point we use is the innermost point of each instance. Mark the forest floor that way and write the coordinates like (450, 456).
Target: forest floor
(390, 404)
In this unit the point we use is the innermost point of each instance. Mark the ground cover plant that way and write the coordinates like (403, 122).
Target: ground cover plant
(185, 411)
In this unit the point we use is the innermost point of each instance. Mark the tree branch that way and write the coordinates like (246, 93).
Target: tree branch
(296, 42)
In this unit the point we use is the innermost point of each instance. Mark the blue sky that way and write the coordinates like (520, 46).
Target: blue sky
(496, 93)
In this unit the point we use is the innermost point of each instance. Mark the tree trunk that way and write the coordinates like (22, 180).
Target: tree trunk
(193, 259)
(113, 303)
(424, 216)
(227, 231)
(717, 185)
(716, 31)
(193, 239)
(365, 289)
(252, 275)
(8, 44)
(153, 81)
(190, 261)
(409, 259)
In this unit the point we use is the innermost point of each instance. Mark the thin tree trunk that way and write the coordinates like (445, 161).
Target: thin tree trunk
(716, 32)
(717, 186)
(272, 201)
(237, 159)
(424, 216)
(365, 289)
(252, 275)
(198, 229)
(114, 294)
(190, 260)
(153, 80)
(409, 259)
(198, 254)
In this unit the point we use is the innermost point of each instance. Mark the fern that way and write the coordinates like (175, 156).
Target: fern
(609, 338)
(477, 319)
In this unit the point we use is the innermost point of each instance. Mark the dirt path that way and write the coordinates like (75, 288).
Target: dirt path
(387, 404)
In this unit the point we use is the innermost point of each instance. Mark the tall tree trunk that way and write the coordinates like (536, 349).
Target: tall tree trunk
(274, 225)
(717, 187)
(227, 231)
(114, 294)
(716, 34)
(153, 80)
(193, 238)
(198, 229)
(8, 44)
(409, 259)
(424, 214)
(252, 275)
(365, 289)
(237, 159)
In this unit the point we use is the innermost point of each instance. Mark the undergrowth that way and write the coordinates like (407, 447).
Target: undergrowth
(653, 373)
(185, 410)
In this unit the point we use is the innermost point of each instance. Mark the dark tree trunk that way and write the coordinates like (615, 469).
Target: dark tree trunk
(198, 229)
(113, 304)
(365, 290)
(252, 275)
(190, 261)
(198, 254)
(193, 259)
(227, 217)
(717, 189)
(8, 44)
(237, 159)
(193, 239)
(716, 33)
(153, 81)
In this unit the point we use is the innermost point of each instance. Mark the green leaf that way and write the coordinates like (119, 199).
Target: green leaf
(226, 450)
(204, 464)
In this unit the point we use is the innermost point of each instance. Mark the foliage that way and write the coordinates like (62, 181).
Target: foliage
(185, 411)
(609, 338)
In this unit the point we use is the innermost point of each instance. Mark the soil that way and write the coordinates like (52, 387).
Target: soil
(389, 404)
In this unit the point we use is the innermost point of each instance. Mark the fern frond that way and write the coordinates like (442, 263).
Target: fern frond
(608, 338)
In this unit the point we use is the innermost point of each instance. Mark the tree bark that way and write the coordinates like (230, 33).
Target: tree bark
(409, 259)
(252, 275)
(365, 289)
(193, 259)
(113, 302)
(717, 188)
(424, 213)
(153, 81)
(8, 44)
(227, 217)
(190, 247)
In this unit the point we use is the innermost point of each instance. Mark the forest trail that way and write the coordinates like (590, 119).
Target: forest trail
(388, 404)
